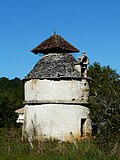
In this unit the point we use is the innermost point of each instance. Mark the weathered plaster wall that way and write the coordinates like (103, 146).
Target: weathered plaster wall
(20, 118)
(50, 90)
(54, 120)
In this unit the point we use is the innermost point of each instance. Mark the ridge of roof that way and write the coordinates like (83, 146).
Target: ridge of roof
(54, 44)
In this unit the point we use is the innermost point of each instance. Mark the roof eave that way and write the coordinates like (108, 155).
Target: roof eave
(54, 51)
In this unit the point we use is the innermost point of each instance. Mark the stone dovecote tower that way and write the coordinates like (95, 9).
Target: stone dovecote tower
(56, 93)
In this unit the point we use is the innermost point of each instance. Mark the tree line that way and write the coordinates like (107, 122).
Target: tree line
(11, 98)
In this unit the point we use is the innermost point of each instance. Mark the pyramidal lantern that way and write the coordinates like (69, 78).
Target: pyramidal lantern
(56, 93)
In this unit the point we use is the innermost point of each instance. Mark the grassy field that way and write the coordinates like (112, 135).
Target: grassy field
(12, 148)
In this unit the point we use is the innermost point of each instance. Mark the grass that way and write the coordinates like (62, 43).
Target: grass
(12, 148)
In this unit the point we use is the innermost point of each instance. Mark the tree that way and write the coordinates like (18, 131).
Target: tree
(105, 102)
(11, 97)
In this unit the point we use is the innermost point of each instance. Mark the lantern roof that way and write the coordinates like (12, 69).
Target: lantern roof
(54, 44)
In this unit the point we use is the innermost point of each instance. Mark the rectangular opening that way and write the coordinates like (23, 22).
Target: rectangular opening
(82, 124)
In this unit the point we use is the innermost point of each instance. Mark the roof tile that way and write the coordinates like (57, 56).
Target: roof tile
(54, 44)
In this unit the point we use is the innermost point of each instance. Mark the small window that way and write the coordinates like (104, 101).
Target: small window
(82, 98)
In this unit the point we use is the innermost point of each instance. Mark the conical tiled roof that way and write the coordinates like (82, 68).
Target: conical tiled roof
(54, 44)
(54, 66)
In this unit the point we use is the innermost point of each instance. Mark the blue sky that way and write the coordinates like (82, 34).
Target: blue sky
(90, 25)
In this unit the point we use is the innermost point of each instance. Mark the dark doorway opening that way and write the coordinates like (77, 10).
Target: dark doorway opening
(82, 124)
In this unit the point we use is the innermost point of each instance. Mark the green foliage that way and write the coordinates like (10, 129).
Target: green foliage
(11, 97)
(11, 147)
(105, 103)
